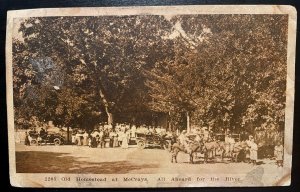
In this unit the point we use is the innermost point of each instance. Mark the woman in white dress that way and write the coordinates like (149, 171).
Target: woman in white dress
(253, 152)
(125, 141)
(278, 152)
(85, 138)
(78, 138)
(73, 138)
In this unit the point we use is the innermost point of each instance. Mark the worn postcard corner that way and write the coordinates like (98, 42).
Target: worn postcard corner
(168, 96)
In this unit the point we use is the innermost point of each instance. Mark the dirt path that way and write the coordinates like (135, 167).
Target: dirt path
(81, 159)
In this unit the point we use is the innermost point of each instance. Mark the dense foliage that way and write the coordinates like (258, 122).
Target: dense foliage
(225, 71)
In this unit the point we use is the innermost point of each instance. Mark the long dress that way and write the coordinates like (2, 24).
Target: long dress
(85, 139)
(73, 139)
(115, 142)
(124, 141)
(278, 153)
(90, 141)
(78, 137)
(120, 137)
(133, 131)
(27, 142)
(253, 151)
(114, 139)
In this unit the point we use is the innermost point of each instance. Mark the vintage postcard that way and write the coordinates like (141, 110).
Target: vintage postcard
(163, 96)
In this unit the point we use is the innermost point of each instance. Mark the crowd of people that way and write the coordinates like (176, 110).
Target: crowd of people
(107, 136)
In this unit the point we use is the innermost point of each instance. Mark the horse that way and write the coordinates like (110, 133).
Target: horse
(168, 141)
(224, 149)
(238, 149)
(212, 147)
(190, 149)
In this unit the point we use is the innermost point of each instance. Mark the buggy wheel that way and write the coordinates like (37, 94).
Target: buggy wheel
(33, 142)
(57, 141)
(141, 144)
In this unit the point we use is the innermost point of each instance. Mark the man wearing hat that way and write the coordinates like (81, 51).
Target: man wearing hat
(183, 139)
(199, 136)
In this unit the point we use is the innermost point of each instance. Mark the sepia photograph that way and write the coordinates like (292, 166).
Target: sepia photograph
(178, 96)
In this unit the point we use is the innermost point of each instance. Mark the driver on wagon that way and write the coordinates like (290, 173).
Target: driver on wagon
(42, 132)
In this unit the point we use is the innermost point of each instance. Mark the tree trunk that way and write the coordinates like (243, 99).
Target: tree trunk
(106, 105)
(188, 122)
(169, 121)
(68, 135)
(110, 119)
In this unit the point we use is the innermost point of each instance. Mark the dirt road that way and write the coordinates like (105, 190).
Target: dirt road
(81, 159)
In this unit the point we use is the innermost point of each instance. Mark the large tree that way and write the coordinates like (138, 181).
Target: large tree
(101, 57)
(229, 70)
(222, 70)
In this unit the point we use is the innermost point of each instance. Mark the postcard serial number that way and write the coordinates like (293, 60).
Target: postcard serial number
(49, 179)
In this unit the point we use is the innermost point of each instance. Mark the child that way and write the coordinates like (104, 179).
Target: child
(90, 141)
(278, 153)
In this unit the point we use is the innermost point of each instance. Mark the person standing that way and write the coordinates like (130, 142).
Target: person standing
(90, 141)
(85, 138)
(278, 153)
(111, 137)
(120, 137)
(133, 131)
(227, 144)
(96, 141)
(231, 143)
(115, 139)
(253, 152)
(73, 138)
(27, 142)
(78, 138)
(39, 140)
(125, 141)
(247, 149)
(101, 139)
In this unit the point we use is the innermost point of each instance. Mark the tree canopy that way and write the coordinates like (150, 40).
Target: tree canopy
(227, 71)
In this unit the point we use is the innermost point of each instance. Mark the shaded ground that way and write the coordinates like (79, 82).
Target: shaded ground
(50, 162)
(82, 159)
